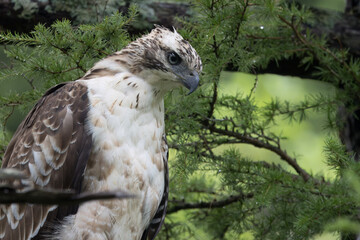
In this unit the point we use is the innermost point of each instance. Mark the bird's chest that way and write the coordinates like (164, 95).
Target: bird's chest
(126, 152)
(126, 155)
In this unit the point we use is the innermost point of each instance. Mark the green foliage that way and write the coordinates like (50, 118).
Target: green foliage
(213, 186)
(336, 156)
(348, 224)
(274, 202)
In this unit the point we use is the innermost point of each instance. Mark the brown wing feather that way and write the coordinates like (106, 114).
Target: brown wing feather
(159, 217)
(52, 145)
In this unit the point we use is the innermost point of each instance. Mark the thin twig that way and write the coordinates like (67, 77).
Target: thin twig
(213, 204)
(239, 23)
(261, 37)
(254, 87)
(58, 197)
(213, 100)
(7, 118)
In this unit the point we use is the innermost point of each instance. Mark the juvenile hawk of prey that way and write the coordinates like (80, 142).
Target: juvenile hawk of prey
(102, 132)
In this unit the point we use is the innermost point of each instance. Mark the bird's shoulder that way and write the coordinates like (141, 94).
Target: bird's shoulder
(49, 117)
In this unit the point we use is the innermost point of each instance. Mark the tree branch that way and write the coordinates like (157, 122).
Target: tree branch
(213, 204)
(16, 187)
(260, 144)
(58, 197)
(341, 35)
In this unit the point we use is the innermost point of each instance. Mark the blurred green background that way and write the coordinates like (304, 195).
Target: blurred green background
(338, 5)
(306, 137)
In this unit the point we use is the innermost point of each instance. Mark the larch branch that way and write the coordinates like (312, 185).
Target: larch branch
(260, 144)
(213, 204)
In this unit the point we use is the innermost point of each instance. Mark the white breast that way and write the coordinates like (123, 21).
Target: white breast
(127, 125)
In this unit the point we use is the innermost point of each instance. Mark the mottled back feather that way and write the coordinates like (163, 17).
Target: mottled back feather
(52, 145)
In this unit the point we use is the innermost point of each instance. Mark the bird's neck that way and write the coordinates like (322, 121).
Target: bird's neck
(126, 90)
(126, 60)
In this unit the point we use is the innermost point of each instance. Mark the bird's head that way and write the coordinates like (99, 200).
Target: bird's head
(164, 59)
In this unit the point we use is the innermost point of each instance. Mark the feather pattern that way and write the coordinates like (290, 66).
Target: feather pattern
(51, 146)
(159, 217)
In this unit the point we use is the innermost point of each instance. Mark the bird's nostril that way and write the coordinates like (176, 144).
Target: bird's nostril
(191, 74)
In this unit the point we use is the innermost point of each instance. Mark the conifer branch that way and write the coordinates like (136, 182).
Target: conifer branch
(213, 100)
(182, 205)
(260, 144)
(311, 46)
(7, 116)
(277, 108)
(56, 72)
(242, 17)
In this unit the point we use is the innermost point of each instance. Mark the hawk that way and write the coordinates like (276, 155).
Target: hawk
(102, 132)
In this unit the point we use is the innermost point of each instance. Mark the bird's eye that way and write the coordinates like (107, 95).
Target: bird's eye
(174, 58)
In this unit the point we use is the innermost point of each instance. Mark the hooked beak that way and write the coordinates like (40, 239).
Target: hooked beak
(191, 81)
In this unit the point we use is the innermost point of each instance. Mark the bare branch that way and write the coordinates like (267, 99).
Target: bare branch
(57, 197)
(15, 187)
(180, 205)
